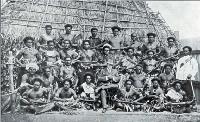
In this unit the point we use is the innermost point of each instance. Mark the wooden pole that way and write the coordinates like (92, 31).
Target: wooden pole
(11, 66)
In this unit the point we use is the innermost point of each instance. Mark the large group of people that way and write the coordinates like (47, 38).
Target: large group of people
(105, 73)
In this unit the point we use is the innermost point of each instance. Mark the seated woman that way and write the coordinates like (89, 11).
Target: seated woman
(65, 96)
(34, 97)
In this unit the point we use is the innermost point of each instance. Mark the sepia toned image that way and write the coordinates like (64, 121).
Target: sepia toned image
(100, 61)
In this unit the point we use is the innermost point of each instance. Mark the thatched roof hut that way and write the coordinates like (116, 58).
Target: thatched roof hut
(28, 17)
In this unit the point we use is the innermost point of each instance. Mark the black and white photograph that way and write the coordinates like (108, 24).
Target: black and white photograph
(100, 61)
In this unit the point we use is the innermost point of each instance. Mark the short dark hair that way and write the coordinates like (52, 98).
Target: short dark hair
(68, 25)
(190, 49)
(86, 41)
(150, 51)
(94, 29)
(155, 79)
(171, 38)
(116, 27)
(151, 34)
(67, 80)
(50, 41)
(125, 83)
(28, 38)
(37, 79)
(48, 26)
(168, 64)
(130, 48)
(88, 74)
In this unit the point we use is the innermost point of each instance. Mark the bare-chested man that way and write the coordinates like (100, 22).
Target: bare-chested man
(139, 77)
(26, 55)
(167, 77)
(86, 54)
(117, 41)
(48, 36)
(65, 96)
(150, 63)
(67, 71)
(34, 96)
(69, 36)
(27, 78)
(68, 50)
(151, 44)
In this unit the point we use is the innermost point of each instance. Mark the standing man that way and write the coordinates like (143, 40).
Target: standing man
(136, 44)
(117, 41)
(69, 36)
(187, 66)
(151, 44)
(171, 49)
(44, 38)
(94, 39)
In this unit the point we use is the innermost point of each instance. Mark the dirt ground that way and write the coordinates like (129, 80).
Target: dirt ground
(109, 116)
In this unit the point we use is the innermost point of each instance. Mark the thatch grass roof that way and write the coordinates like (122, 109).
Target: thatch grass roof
(28, 17)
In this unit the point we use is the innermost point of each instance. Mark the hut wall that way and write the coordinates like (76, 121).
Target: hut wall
(29, 17)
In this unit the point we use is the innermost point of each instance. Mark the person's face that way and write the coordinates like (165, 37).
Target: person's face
(151, 39)
(138, 69)
(66, 85)
(88, 79)
(68, 61)
(128, 85)
(86, 45)
(47, 71)
(48, 30)
(130, 52)
(170, 42)
(178, 86)
(186, 51)
(133, 37)
(29, 43)
(51, 45)
(68, 30)
(106, 51)
(155, 83)
(36, 85)
(150, 54)
(94, 33)
(32, 70)
(115, 32)
(66, 44)
(168, 69)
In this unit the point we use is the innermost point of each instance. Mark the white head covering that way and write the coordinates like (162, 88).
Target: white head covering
(32, 65)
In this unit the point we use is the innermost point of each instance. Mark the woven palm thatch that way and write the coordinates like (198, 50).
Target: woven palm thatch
(29, 17)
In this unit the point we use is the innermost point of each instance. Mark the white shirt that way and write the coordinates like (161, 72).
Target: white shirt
(190, 66)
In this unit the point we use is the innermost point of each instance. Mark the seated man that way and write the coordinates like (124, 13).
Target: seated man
(176, 93)
(48, 80)
(150, 63)
(127, 94)
(178, 100)
(65, 96)
(167, 77)
(34, 96)
(52, 57)
(108, 80)
(27, 78)
(138, 77)
(67, 71)
(128, 61)
(154, 96)
(68, 51)
(87, 88)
